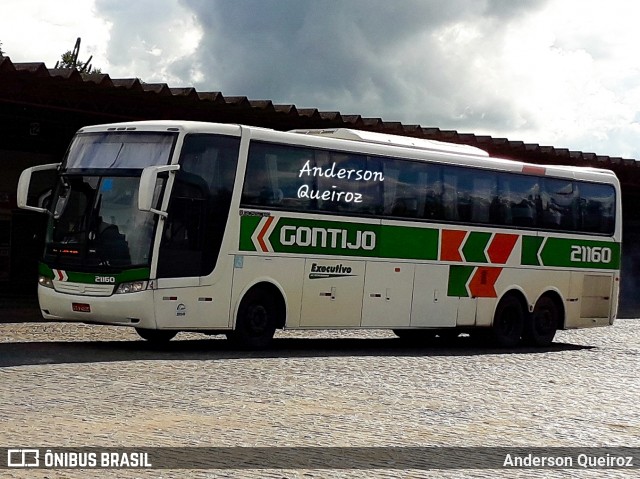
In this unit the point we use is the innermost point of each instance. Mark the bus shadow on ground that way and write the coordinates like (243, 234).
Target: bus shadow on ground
(65, 352)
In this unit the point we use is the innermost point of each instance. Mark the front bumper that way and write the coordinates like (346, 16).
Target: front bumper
(132, 309)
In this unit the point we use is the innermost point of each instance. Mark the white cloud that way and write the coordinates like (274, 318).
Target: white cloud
(147, 37)
(572, 72)
(565, 76)
(37, 31)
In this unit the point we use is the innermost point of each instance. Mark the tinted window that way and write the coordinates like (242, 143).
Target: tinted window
(518, 200)
(318, 180)
(559, 202)
(96, 223)
(412, 189)
(199, 206)
(468, 194)
(309, 179)
(597, 208)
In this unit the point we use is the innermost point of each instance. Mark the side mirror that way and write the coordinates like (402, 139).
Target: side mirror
(25, 182)
(147, 187)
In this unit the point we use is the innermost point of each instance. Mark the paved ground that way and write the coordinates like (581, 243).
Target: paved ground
(75, 385)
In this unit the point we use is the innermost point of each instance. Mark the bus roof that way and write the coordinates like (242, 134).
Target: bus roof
(475, 156)
(395, 140)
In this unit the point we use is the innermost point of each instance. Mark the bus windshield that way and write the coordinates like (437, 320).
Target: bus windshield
(124, 150)
(96, 224)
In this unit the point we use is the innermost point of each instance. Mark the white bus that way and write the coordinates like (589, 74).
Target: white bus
(171, 226)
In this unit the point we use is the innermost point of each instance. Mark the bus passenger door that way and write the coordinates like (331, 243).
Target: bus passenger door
(332, 293)
(431, 306)
(388, 290)
(194, 279)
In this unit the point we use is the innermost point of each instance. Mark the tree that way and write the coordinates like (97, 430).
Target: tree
(1, 52)
(69, 59)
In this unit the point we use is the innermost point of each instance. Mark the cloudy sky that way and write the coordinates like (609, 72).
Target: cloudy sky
(564, 73)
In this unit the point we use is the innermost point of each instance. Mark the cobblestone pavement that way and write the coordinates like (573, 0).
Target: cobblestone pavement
(64, 385)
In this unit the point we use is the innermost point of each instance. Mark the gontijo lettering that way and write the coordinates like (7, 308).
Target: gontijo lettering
(327, 238)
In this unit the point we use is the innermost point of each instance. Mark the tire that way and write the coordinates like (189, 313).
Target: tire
(508, 323)
(256, 321)
(156, 336)
(541, 327)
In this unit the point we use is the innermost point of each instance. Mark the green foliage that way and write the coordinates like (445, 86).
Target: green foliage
(69, 59)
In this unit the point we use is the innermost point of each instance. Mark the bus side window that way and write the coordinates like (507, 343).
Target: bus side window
(483, 193)
(256, 182)
(273, 177)
(261, 182)
(465, 195)
(199, 206)
(432, 184)
(412, 190)
(597, 208)
(408, 189)
(518, 199)
(450, 195)
(559, 204)
(348, 189)
(405, 201)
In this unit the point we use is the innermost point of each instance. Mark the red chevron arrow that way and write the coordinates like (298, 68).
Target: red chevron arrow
(450, 245)
(501, 247)
(263, 232)
(482, 284)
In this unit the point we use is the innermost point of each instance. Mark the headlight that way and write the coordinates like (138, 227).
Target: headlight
(132, 287)
(46, 282)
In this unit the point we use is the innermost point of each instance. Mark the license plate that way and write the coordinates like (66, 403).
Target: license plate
(81, 307)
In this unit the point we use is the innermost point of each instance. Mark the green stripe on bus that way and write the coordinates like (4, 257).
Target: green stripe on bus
(570, 253)
(297, 235)
(530, 247)
(405, 242)
(458, 278)
(473, 249)
(248, 225)
(580, 253)
(44, 270)
(306, 236)
(135, 274)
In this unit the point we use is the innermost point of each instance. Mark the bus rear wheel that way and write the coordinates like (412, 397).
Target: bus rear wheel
(256, 321)
(156, 336)
(542, 325)
(508, 323)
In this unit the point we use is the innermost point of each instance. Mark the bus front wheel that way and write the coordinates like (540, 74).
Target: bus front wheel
(543, 323)
(256, 321)
(156, 336)
(508, 322)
